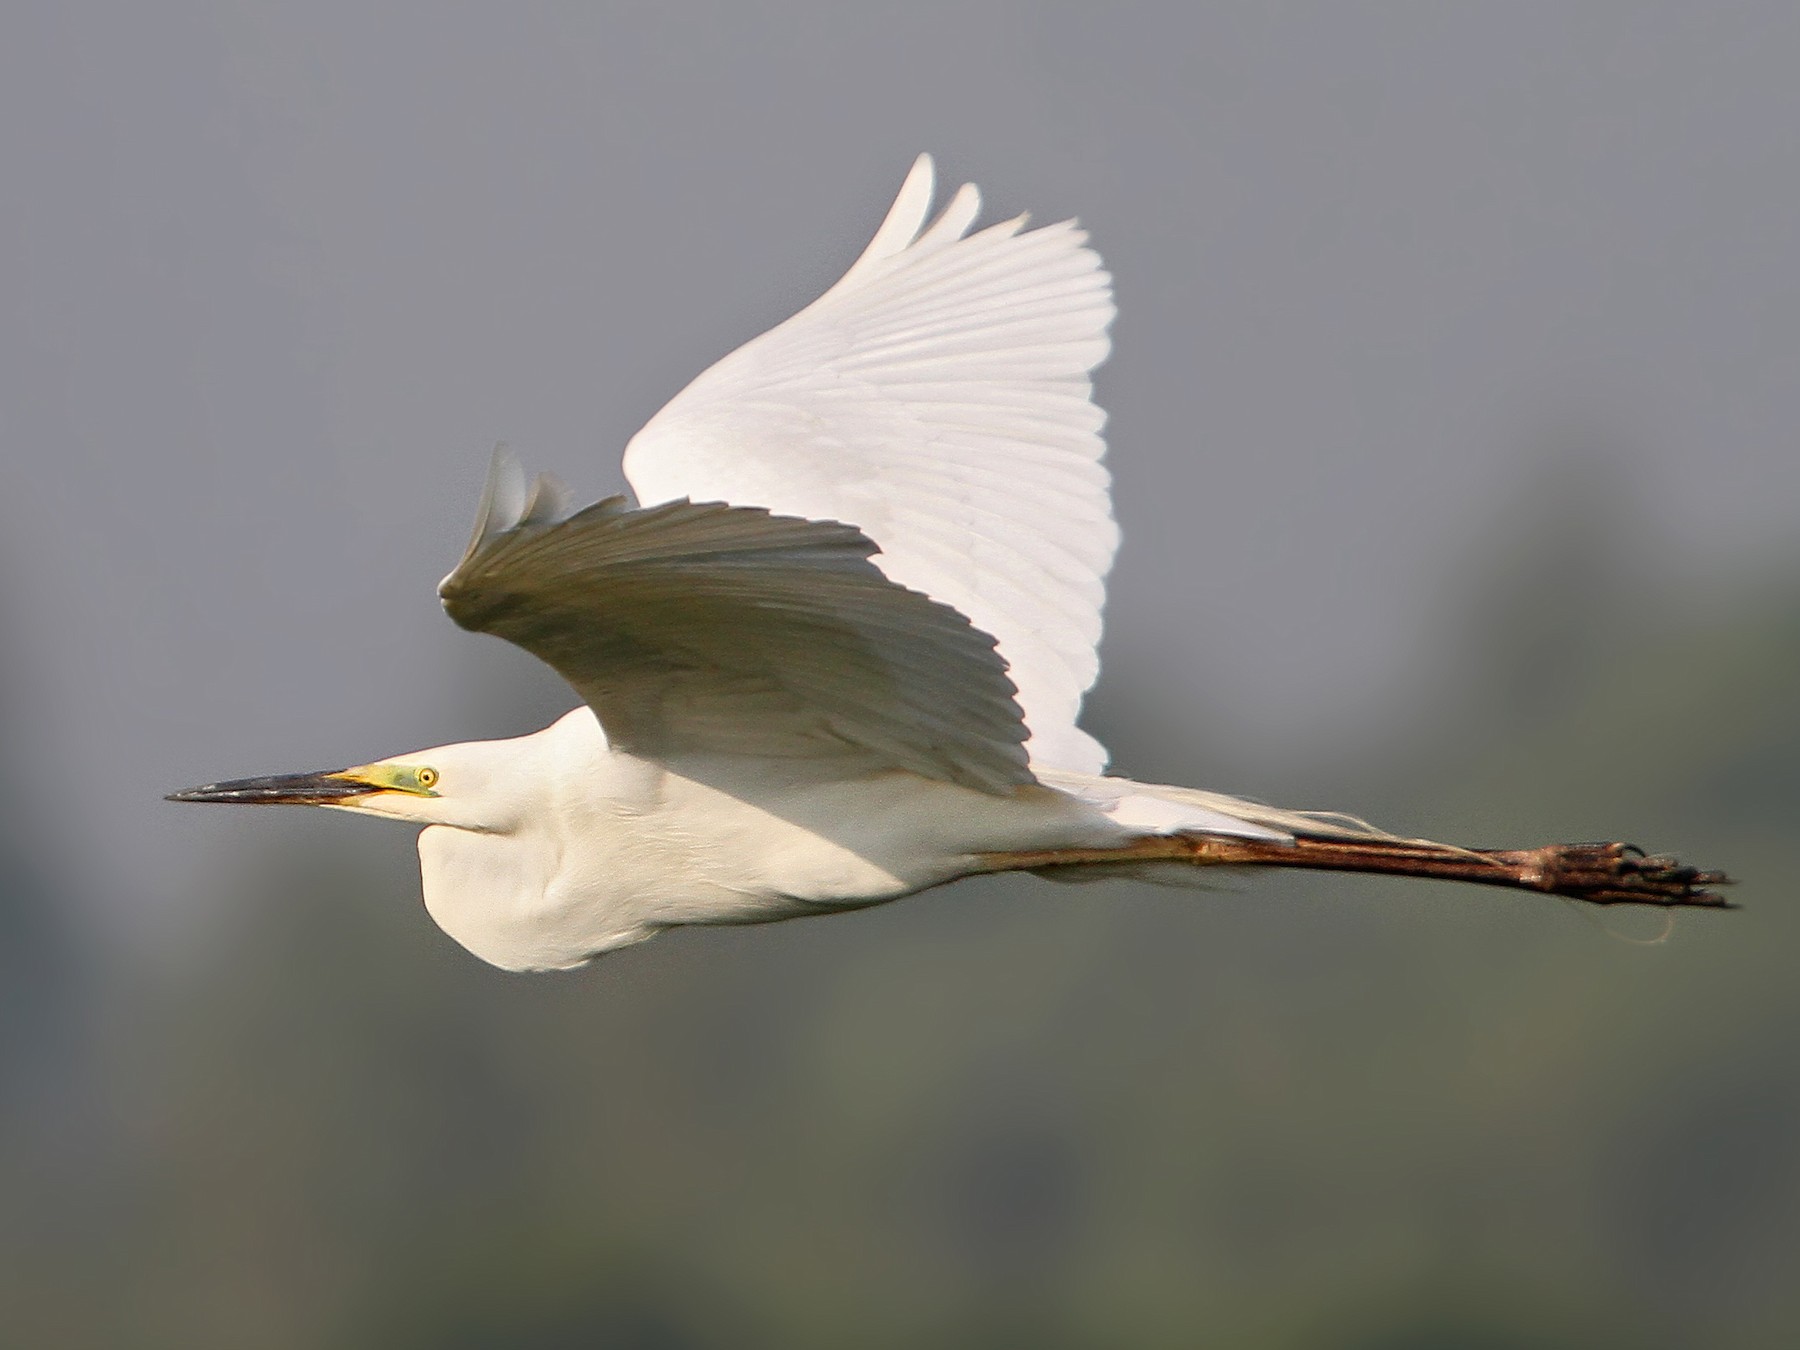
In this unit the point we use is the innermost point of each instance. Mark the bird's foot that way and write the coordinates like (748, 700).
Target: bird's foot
(1617, 874)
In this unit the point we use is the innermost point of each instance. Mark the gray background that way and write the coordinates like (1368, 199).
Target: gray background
(1454, 403)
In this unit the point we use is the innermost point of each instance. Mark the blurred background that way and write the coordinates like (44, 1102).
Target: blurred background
(1454, 408)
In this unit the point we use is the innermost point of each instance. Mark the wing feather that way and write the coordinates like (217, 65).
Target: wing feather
(938, 398)
(713, 629)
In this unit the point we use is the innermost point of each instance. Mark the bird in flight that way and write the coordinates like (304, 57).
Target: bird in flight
(836, 652)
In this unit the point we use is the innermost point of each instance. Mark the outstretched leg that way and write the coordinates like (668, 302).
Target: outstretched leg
(1602, 874)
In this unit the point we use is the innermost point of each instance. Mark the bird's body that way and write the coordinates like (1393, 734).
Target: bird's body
(837, 653)
(571, 848)
(634, 846)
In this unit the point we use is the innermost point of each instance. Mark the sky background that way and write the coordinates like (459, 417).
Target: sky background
(1455, 403)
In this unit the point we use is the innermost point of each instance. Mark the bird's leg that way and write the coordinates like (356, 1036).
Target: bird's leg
(1602, 874)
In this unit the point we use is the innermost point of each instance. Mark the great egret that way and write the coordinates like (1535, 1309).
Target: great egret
(836, 654)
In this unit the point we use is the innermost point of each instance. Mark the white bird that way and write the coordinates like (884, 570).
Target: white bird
(836, 653)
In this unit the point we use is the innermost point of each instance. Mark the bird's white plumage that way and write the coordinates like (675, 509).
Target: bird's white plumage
(938, 398)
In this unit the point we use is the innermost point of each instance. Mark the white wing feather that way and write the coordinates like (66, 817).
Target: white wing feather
(938, 398)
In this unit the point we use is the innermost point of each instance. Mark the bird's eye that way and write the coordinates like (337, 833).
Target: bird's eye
(428, 777)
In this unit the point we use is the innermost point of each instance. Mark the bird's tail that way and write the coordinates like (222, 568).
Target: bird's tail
(1161, 808)
(1178, 832)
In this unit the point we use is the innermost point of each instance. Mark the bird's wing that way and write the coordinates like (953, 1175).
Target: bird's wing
(937, 398)
(713, 629)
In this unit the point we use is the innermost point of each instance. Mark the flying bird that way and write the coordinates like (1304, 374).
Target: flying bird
(835, 653)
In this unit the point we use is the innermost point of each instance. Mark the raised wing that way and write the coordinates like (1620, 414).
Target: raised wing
(937, 398)
(719, 629)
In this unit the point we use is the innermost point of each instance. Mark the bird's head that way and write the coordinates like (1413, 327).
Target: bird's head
(448, 785)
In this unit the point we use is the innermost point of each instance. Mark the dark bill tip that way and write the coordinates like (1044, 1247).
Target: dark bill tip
(300, 789)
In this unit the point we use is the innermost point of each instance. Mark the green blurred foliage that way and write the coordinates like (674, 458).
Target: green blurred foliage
(1299, 1113)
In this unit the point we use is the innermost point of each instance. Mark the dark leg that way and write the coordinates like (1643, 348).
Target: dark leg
(1602, 874)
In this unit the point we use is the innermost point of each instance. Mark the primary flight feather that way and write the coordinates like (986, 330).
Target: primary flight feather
(837, 652)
